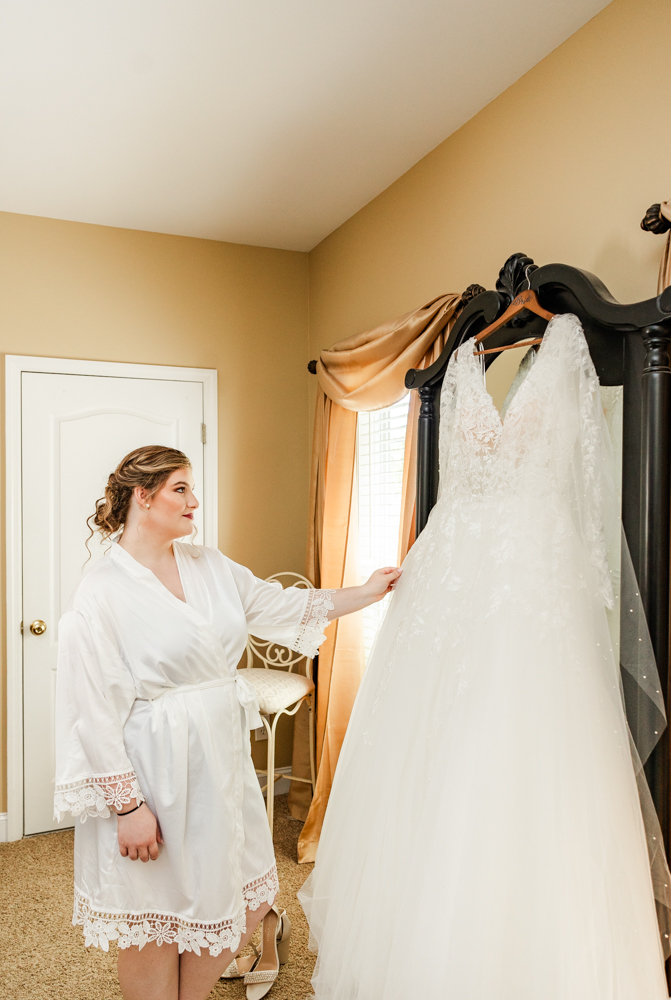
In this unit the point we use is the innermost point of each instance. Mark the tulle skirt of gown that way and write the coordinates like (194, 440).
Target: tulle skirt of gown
(484, 838)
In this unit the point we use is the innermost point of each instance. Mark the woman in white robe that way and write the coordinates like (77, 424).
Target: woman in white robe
(153, 720)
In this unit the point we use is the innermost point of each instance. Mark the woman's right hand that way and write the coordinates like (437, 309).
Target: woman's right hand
(139, 834)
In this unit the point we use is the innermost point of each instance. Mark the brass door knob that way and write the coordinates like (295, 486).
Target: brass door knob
(38, 627)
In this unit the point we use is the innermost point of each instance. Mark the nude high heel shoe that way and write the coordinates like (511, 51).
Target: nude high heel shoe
(274, 952)
(239, 967)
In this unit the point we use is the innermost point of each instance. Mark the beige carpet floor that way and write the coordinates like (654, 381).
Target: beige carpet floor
(42, 957)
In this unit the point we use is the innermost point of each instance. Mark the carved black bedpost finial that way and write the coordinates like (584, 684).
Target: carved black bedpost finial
(470, 293)
(656, 533)
(514, 278)
(654, 222)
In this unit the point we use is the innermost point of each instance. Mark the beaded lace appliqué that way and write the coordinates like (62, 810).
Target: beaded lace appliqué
(314, 621)
(549, 444)
(139, 929)
(529, 486)
(94, 796)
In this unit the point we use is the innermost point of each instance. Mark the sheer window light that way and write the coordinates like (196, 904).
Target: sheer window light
(380, 454)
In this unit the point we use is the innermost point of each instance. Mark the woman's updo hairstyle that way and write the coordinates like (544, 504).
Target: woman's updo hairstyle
(148, 468)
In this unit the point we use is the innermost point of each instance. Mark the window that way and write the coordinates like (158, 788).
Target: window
(380, 453)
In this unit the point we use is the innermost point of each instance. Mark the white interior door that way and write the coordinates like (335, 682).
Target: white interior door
(74, 431)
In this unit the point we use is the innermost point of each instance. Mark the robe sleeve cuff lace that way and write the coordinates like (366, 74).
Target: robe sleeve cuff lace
(93, 796)
(314, 621)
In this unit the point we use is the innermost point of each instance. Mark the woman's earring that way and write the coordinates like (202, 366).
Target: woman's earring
(146, 505)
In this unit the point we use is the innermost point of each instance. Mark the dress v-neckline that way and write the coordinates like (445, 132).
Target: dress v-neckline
(474, 368)
(143, 572)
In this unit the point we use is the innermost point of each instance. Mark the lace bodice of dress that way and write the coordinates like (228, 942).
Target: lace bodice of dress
(526, 364)
(547, 448)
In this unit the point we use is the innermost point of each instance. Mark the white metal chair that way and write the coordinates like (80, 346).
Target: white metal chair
(281, 689)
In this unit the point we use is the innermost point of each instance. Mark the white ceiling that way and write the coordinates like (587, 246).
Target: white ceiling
(266, 122)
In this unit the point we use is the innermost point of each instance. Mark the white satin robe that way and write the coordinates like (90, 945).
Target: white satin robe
(149, 706)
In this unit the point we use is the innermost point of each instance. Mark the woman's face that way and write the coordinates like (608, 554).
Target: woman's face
(170, 511)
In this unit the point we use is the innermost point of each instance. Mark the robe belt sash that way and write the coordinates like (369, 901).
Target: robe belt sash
(245, 693)
(249, 702)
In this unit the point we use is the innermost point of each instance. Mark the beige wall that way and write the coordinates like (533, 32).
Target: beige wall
(562, 166)
(77, 291)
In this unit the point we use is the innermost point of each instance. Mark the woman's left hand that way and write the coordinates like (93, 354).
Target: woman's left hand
(382, 582)
(349, 599)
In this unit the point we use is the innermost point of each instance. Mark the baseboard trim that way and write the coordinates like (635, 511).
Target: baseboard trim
(3, 826)
(283, 785)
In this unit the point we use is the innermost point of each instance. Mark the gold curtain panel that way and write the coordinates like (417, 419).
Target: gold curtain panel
(363, 372)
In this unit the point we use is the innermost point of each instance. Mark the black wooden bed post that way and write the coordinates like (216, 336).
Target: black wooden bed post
(655, 550)
(428, 382)
(427, 453)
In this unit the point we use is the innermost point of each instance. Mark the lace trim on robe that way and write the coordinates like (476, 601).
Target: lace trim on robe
(168, 928)
(94, 796)
(314, 621)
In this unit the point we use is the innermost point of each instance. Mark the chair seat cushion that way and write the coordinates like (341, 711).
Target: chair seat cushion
(276, 689)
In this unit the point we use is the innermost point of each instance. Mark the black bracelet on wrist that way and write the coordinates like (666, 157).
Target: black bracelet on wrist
(134, 809)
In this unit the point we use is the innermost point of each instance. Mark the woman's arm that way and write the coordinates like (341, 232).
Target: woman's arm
(349, 599)
(296, 617)
(94, 776)
(94, 695)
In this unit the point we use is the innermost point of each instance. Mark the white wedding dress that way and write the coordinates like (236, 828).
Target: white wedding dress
(484, 838)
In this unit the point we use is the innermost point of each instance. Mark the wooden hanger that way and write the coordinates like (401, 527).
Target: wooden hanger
(509, 347)
(525, 300)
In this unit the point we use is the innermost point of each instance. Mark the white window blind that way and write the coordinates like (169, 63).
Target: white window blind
(380, 453)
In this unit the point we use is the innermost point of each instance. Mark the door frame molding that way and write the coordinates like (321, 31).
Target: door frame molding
(15, 365)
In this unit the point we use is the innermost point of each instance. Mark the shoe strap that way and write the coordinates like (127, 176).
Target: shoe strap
(264, 976)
